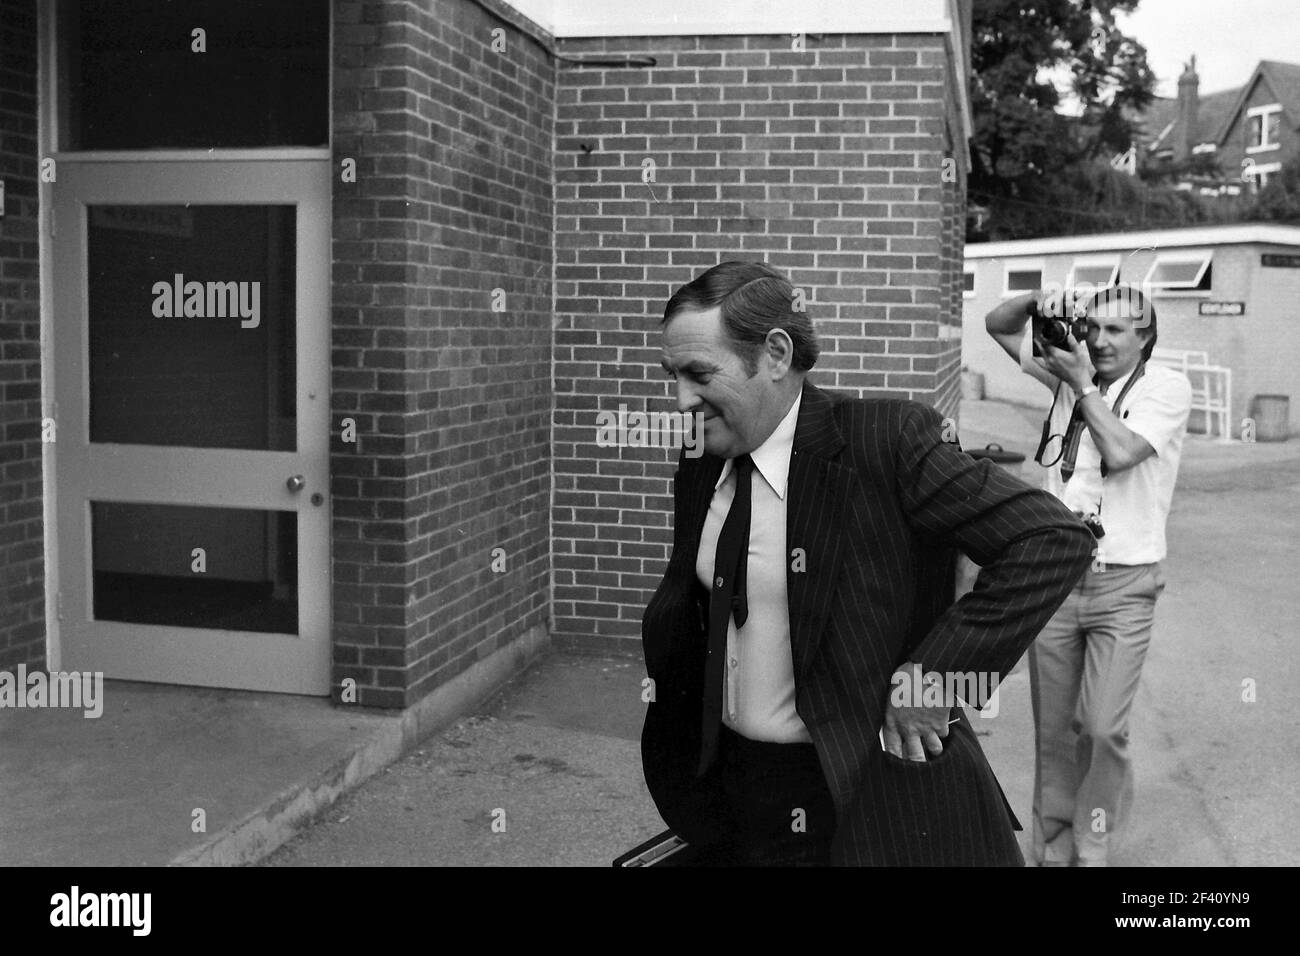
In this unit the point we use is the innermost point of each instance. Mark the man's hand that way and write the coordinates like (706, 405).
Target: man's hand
(910, 731)
(1072, 365)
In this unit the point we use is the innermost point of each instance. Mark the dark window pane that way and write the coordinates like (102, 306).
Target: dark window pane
(191, 312)
(1096, 276)
(1029, 280)
(1254, 131)
(130, 77)
(146, 570)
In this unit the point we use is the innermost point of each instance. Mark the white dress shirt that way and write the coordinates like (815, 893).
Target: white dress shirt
(758, 695)
(1134, 503)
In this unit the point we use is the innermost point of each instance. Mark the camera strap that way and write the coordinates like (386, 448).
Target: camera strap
(1119, 402)
(1074, 432)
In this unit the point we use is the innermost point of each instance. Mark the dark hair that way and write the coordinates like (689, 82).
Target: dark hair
(754, 300)
(1142, 313)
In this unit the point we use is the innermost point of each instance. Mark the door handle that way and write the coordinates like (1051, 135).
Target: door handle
(296, 483)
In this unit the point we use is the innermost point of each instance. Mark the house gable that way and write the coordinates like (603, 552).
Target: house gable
(1271, 84)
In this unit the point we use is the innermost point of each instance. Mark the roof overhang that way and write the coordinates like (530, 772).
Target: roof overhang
(639, 18)
(1132, 241)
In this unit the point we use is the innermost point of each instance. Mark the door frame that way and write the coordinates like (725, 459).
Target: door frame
(314, 166)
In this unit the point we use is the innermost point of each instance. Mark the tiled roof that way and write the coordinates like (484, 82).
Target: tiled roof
(1159, 122)
(1154, 128)
(1214, 115)
(1158, 126)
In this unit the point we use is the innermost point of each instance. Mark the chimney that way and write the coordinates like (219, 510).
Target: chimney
(1186, 138)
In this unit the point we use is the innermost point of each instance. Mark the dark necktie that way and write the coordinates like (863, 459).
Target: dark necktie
(726, 599)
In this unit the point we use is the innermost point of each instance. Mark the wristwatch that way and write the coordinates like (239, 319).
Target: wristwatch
(1087, 390)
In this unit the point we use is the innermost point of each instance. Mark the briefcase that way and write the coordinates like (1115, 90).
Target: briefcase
(666, 849)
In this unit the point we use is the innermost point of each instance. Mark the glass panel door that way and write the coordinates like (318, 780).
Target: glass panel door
(191, 342)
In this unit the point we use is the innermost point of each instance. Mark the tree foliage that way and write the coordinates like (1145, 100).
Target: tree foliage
(1038, 170)
(1032, 164)
(1279, 201)
(1090, 196)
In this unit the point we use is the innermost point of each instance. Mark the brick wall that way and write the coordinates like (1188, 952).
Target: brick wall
(947, 392)
(826, 163)
(22, 565)
(451, 398)
(445, 321)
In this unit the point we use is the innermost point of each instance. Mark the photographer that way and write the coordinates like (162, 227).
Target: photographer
(1112, 438)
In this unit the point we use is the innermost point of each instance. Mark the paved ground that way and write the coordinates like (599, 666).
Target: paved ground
(1216, 775)
(552, 761)
(122, 789)
(556, 752)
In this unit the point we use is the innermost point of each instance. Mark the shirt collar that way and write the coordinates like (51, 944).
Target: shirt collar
(772, 458)
(1117, 386)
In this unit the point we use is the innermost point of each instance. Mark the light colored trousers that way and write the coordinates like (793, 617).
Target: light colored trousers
(1083, 675)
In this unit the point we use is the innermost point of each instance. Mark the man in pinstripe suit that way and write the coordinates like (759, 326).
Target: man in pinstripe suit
(780, 623)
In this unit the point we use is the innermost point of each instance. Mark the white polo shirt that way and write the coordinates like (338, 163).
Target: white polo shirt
(1133, 503)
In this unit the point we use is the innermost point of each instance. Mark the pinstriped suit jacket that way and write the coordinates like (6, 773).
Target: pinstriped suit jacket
(878, 502)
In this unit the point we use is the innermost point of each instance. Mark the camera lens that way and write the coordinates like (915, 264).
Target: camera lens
(1053, 332)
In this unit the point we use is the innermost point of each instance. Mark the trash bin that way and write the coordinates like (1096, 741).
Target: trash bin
(1272, 417)
(1013, 462)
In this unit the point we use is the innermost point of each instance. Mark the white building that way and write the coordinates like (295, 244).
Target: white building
(1231, 292)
